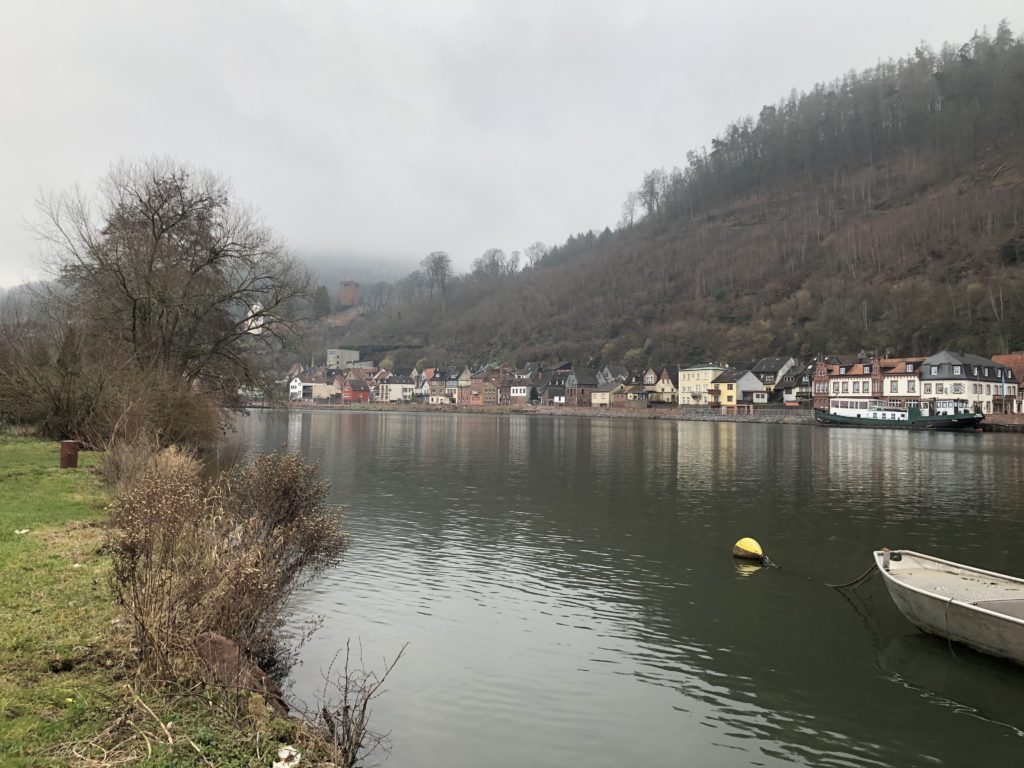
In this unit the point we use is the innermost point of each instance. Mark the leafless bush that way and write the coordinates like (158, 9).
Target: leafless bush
(344, 710)
(193, 555)
(128, 458)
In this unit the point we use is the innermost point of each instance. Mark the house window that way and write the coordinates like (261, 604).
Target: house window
(988, 389)
(957, 389)
(835, 387)
(842, 371)
(867, 369)
(910, 367)
(912, 386)
(927, 389)
(956, 370)
(856, 387)
(939, 389)
(974, 388)
(846, 387)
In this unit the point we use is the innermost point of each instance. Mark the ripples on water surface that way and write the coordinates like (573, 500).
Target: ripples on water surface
(567, 594)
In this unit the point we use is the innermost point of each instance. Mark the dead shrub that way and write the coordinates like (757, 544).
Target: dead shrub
(128, 458)
(193, 555)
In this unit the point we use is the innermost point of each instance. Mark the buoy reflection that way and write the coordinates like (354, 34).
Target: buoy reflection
(747, 569)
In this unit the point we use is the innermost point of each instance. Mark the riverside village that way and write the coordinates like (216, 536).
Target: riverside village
(987, 386)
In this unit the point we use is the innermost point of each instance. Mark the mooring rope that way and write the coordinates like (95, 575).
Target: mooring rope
(871, 571)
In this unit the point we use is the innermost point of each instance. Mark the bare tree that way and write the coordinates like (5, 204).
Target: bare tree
(437, 265)
(535, 252)
(652, 190)
(378, 295)
(168, 267)
(491, 264)
(629, 209)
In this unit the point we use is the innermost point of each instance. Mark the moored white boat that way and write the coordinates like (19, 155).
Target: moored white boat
(858, 412)
(981, 609)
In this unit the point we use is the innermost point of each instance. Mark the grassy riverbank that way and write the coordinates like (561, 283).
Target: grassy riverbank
(56, 644)
(67, 692)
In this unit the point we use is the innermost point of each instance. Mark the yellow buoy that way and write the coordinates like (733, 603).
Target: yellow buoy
(747, 549)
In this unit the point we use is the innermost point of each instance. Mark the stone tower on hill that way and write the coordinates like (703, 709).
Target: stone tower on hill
(349, 293)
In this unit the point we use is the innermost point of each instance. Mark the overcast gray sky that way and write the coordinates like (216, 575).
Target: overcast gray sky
(392, 129)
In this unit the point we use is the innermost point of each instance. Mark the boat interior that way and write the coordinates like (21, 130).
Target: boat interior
(988, 591)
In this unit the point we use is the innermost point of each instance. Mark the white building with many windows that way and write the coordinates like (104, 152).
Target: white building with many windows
(981, 384)
(987, 386)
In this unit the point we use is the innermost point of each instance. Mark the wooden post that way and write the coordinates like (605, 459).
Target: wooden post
(68, 454)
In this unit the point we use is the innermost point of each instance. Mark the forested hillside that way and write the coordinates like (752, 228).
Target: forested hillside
(881, 211)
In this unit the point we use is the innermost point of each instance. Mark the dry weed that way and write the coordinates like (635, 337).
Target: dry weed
(193, 555)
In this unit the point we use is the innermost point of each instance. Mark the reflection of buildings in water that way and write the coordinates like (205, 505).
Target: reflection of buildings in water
(658, 450)
(916, 473)
(604, 434)
(518, 440)
(558, 431)
(820, 459)
(705, 454)
(295, 422)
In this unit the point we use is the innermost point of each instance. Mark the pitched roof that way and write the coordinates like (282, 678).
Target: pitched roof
(946, 359)
(617, 371)
(770, 364)
(741, 365)
(730, 375)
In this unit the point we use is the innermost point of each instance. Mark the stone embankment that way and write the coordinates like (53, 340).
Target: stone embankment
(759, 416)
(1010, 422)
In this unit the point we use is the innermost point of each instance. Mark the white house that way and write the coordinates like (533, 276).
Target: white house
(397, 389)
(987, 386)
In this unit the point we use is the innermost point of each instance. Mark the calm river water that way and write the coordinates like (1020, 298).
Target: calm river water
(566, 589)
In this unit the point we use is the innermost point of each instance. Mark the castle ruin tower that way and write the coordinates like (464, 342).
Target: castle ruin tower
(349, 293)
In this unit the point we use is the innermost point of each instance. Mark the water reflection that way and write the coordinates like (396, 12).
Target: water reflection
(567, 589)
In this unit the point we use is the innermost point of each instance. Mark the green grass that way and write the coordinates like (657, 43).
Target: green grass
(62, 648)
(54, 598)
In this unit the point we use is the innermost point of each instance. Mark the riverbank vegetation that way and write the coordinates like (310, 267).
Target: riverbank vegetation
(150, 599)
(169, 300)
(156, 632)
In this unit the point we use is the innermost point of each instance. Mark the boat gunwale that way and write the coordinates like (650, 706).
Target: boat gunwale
(935, 596)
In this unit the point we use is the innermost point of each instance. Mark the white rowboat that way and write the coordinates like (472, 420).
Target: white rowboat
(982, 609)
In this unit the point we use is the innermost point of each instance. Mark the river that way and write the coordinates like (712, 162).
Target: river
(567, 594)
